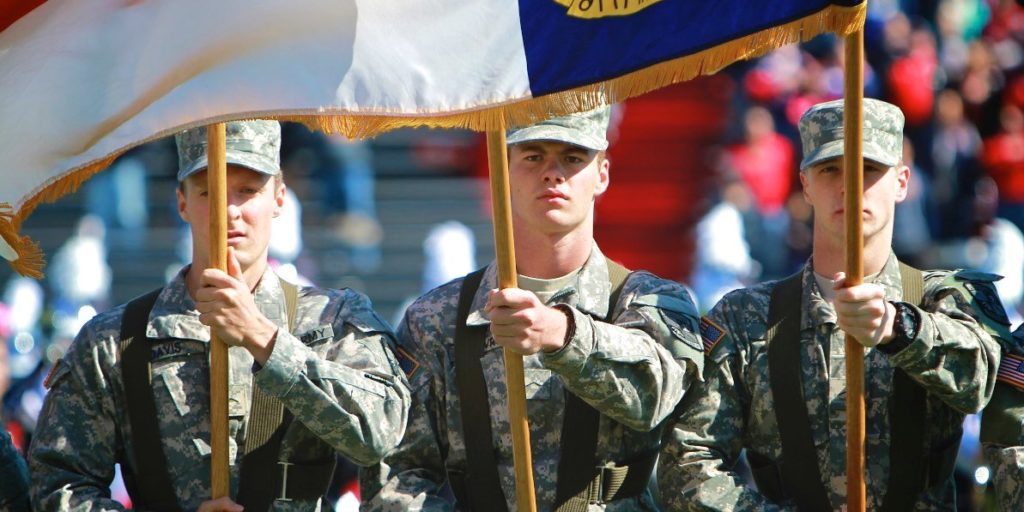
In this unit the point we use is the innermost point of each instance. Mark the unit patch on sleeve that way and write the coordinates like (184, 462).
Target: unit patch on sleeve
(410, 366)
(711, 333)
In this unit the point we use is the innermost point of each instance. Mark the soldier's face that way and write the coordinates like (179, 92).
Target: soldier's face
(554, 185)
(253, 201)
(824, 189)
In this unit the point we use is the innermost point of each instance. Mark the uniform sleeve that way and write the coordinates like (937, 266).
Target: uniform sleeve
(412, 476)
(13, 476)
(635, 370)
(74, 449)
(955, 355)
(354, 397)
(696, 470)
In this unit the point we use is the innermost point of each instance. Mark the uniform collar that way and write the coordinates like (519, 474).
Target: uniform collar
(592, 277)
(816, 310)
(174, 314)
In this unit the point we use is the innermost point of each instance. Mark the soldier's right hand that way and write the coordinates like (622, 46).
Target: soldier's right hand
(220, 505)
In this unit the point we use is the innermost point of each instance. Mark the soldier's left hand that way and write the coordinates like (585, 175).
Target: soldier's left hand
(226, 305)
(863, 312)
(522, 323)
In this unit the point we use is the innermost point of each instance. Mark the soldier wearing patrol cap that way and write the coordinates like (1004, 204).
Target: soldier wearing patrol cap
(312, 370)
(775, 375)
(607, 353)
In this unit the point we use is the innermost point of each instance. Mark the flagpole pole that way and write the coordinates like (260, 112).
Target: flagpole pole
(853, 165)
(216, 176)
(504, 248)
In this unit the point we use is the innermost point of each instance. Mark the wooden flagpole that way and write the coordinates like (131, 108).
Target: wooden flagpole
(216, 176)
(504, 248)
(853, 166)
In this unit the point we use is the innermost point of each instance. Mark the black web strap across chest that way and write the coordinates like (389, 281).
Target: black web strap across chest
(798, 477)
(580, 479)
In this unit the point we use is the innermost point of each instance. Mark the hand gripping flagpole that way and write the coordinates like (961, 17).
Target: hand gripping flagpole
(216, 176)
(853, 176)
(504, 248)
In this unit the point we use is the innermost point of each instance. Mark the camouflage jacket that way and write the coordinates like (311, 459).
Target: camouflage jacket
(335, 372)
(954, 357)
(1004, 453)
(632, 371)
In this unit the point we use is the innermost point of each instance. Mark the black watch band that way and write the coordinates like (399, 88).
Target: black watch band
(905, 328)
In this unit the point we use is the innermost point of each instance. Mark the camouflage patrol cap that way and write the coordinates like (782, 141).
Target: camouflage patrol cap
(585, 129)
(821, 132)
(254, 145)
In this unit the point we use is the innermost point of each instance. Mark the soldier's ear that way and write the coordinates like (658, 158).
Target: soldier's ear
(803, 187)
(902, 182)
(180, 195)
(604, 176)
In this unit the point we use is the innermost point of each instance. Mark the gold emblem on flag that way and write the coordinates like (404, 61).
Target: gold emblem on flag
(591, 9)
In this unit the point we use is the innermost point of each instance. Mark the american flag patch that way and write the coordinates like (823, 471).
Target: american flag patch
(711, 333)
(1011, 370)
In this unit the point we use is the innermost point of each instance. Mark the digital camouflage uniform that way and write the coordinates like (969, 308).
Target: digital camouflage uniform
(954, 357)
(633, 372)
(334, 371)
(1002, 426)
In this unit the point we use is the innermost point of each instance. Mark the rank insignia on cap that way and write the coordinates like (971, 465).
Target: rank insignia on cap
(711, 333)
(1011, 370)
(410, 366)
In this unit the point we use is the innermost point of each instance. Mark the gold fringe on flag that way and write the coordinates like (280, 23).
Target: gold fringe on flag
(837, 19)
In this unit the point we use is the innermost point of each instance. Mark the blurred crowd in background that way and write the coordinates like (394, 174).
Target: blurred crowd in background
(955, 68)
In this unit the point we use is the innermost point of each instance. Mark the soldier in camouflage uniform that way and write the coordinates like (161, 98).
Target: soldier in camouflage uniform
(946, 345)
(332, 368)
(632, 369)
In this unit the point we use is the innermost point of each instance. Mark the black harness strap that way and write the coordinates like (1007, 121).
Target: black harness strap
(580, 480)
(578, 472)
(799, 477)
(262, 476)
(481, 490)
(908, 463)
(151, 488)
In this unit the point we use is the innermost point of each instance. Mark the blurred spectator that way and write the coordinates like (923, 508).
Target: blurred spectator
(1003, 159)
(449, 252)
(954, 150)
(911, 220)
(765, 163)
(79, 274)
(117, 196)
(343, 172)
(723, 261)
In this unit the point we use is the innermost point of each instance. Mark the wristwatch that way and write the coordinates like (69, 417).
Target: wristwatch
(905, 328)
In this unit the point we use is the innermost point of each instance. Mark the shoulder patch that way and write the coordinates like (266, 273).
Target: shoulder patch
(976, 275)
(984, 294)
(410, 366)
(711, 333)
(1011, 370)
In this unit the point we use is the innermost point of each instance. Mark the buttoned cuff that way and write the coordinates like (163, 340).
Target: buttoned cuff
(286, 362)
(578, 346)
